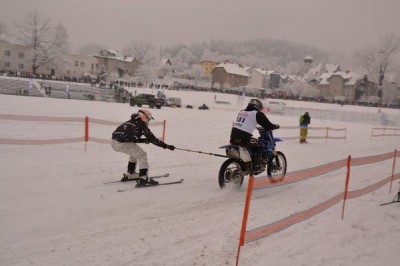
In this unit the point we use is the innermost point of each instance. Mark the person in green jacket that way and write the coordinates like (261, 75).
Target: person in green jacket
(304, 120)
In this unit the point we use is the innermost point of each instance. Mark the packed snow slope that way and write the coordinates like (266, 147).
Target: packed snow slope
(55, 209)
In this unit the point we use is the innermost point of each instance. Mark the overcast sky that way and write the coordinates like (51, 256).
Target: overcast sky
(341, 25)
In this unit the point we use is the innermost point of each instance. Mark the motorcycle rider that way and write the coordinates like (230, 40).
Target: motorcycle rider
(245, 124)
(125, 139)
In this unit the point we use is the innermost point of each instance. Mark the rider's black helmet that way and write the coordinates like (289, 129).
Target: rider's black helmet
(256, 103)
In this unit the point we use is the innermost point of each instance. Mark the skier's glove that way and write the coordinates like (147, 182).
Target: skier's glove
(146, 141)
(277, 126)
(171, 147)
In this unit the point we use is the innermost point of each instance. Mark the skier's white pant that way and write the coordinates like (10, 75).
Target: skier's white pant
(134, 151)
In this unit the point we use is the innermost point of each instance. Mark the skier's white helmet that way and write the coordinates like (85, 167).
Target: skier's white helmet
(145, 115)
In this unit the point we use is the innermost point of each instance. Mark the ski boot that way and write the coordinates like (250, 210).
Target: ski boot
(130, 174)
(144, 179)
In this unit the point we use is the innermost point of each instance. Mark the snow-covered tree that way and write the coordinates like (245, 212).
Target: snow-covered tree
(3, 28)
(142, 51)
(292, 67)
(195, 72)
(90, 49)
(183, 61)
(376, 60)
(302, 88)
(46, 42)
(146, 74)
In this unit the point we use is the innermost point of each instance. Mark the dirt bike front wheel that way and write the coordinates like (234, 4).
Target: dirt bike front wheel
(277, 166)
(231, 173)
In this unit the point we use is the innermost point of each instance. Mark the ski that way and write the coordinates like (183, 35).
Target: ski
(151, 177)
(160, 184)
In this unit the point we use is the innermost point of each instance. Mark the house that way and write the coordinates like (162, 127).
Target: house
(312, 73)
(76, 66)
(350, 87)
(262, 78)
(208, 66)
(14, 57)
(229, 75)
(165, 62)
(117, 65)
(164, 68)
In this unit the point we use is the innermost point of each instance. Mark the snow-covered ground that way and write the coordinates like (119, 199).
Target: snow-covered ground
(55, 209)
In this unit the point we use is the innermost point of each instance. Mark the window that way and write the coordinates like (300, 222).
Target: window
(7, 64)
(76, 63)
(92, 66)
(7, 53)
(21, 55)
(82, 64)
(21, 66)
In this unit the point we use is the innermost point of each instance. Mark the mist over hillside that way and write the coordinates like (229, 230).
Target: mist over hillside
(267, 53)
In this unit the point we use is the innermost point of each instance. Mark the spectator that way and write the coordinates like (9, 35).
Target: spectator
(67, 93)
(304, 120)
(29, 88)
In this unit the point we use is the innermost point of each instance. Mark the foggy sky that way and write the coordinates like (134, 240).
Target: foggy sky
(341, 25)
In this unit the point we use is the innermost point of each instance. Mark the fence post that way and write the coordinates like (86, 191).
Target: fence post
(163, 133)
(346, 187)
(245, 215)
(394, 165)
(327, 132)
(86, 130)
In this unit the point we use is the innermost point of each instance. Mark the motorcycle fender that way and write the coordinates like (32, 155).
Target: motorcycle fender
(241, 154)
(244, 154)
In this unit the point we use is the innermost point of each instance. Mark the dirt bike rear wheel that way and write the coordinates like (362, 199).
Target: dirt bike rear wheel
(231, 173)
(277, 166)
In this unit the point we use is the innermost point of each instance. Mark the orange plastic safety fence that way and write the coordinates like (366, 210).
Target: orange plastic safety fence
(40, 118)
(40, 141)
(371, 159)
(264, 182)
(85, 120)
(385, 131)
(277, 226)
(263, 231)
(325, 129)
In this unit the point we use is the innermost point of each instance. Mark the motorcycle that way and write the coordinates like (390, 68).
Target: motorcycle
(239, 164)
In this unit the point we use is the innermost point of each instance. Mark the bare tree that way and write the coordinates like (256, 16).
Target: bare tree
(46, 42)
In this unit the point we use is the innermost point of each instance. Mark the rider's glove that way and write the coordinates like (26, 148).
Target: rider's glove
(171, 147)
(277, 126)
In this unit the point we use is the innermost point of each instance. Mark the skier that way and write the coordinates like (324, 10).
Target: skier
(125, 139)
(304, 120)
(244, 126)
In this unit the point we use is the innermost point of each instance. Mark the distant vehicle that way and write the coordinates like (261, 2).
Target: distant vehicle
(147, 99)
(189, 106)
(174, 101)
(203, 107)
